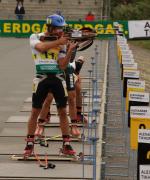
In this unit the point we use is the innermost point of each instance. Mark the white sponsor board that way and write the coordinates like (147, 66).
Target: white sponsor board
(127, 60)
(127, 55)
(124, 52)
(139, 96)
(139, 29)
(129, 65)
(120, 43)
(131, 73)
(124, 47)
(144, 136)
(121, 39)
(140, 112)
(135, 83)
(144, 172)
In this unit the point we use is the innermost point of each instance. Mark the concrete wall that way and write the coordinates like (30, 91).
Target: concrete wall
(71, 9)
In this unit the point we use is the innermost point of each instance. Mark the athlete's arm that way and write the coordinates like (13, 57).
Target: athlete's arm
(45, 46)
(63, 62)
(41, 46)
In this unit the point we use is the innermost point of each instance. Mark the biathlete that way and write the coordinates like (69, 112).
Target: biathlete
(74, 100)
(51, 59)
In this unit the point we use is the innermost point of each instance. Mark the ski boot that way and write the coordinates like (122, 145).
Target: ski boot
(29, 149)
(67, 149)
(81, 119)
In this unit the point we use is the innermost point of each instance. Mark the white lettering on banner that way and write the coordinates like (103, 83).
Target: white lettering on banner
(140, 112)
(135, 83)
(144, 172)
(139, 29)
(139, 96)
(144, 135)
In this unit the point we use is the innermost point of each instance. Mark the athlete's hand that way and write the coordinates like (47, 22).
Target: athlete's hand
(63, 40)
(72, 45)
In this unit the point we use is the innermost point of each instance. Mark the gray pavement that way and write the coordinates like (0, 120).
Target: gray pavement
(16, 74)
(120, 160)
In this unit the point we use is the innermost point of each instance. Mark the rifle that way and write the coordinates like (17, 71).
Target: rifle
(84, 37)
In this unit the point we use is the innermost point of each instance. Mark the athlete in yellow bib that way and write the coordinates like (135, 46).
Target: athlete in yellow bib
(51, 59)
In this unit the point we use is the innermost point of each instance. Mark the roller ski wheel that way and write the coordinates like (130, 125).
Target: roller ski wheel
(81, 119)
(75, 132)
(29, 149)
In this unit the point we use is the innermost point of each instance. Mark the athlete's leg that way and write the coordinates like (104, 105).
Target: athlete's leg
(80, 117)
(72, 104)
(45, 111)
(61, 102)
(79, 64)
(64, 125)
(44, 116)
(38, 97)
(33, 120)
(64, 122)
(78, 95)
(70, 81)
(73, 112)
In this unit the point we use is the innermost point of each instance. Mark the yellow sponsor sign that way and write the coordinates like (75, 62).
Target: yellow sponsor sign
(140, 119)
(137, 123)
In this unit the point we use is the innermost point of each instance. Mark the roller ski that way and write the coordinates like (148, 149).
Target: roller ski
(29, 149)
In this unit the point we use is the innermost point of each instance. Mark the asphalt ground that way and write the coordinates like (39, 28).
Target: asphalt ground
(16, 74)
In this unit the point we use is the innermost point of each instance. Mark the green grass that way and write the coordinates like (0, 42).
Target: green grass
(142, 43)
